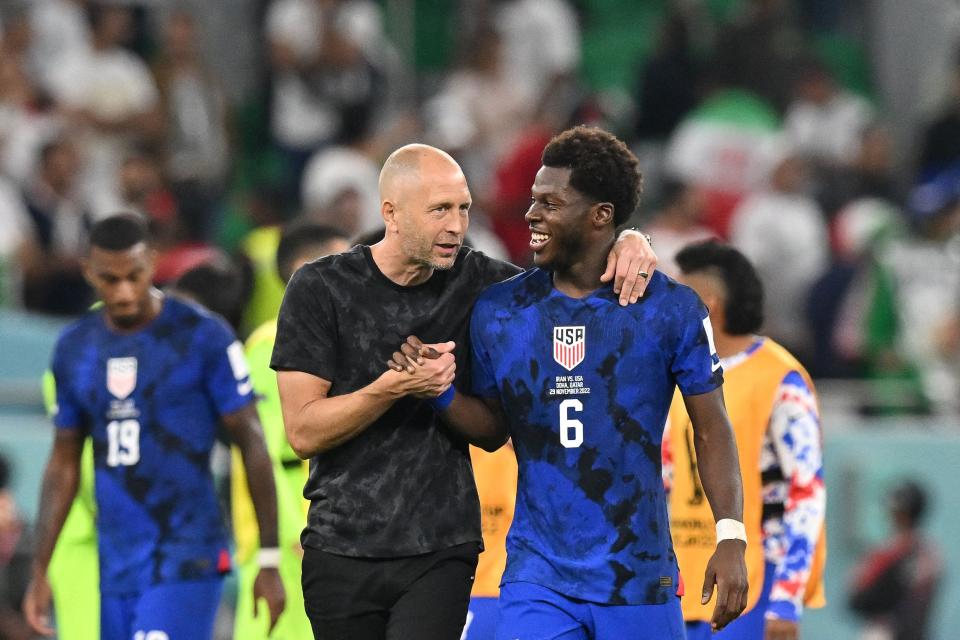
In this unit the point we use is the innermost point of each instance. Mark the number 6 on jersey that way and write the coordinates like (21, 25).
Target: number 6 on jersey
(571, 429)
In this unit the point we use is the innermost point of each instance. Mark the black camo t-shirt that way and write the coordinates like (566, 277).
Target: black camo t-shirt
(404, 486)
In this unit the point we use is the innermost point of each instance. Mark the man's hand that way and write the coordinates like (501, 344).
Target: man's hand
(778, 629)
(431, 367)
(728, 571)
(269, 587)
(630, 257)
(36, 605)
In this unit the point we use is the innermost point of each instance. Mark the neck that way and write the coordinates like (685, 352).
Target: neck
(154, 305)
(728, 345)
(582, 276)
(398, 267)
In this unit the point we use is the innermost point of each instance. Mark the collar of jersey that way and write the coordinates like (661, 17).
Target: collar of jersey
(738, 358)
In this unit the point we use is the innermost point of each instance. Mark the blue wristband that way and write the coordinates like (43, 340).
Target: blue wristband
(442, 401)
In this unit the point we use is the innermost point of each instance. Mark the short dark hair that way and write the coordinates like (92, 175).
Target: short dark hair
(119, 232)
(743, 307)
(909, 498)
(601, 167)
(220, 285)
(297, 237)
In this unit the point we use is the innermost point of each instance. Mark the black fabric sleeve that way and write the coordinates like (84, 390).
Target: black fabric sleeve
(306, 328)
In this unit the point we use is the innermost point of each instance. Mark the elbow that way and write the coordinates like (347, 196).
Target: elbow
(492, 443)
(299, 442)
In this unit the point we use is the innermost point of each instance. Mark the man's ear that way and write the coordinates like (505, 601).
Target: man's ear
(601, 214)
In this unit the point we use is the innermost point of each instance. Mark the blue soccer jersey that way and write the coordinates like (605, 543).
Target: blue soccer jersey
(586, 386)
(151, 401)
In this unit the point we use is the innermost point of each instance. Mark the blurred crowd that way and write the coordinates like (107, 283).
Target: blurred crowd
(746, 131)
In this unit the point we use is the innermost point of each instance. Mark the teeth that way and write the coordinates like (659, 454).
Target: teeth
(539, 237)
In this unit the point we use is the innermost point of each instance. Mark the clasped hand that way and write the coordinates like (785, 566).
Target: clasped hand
(424, 370)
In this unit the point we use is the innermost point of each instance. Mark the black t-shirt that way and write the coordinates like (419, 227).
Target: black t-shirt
(404, 486)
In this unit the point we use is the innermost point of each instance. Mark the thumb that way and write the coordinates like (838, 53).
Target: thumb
(611, 267)
(434, 350)
(708, 581)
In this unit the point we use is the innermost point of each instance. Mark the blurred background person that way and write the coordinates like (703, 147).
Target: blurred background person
(894, 586)
(14, 561)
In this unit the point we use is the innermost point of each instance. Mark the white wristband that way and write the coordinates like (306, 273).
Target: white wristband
(269, 558)
(730, 529)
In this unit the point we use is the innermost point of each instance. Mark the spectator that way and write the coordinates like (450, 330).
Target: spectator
(340, 189)
(679, 222)
(196, 141)
(941, 137)
(894, 586)
(541, 45)
(324, 79)
(825, 122)
(54, 283)
(60, 32)
(761, 50)
(783, 233)
(667, 82)
(725, 147)
(25, 121)
(111, 96)
(17, 249)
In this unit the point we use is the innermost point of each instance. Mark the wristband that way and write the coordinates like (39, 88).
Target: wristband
(730, 529)
(442, 401)
(269, 558)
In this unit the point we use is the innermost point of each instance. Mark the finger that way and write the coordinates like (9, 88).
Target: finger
(720, 610)
(276, 609)
(393, 365)
(403, 362)
(415, 342)
(436, 350)
(648, 267)
(709, 578)
(611, 267)
(411, 352)
(623, 269)
(256, 605)
(629, 283)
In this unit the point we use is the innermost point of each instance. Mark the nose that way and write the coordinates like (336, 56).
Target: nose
(456, 224)
(532, 214)
(124, 293)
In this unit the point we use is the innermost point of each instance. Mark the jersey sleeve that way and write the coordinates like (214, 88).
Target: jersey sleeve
(696, 365)
(306, 333)
(65, 410)
(484, 384)
(227, 376)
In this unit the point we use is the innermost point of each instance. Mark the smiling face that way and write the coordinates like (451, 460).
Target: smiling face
(429, 210)
(560, 219)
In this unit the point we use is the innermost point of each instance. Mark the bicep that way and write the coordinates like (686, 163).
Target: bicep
(67, 446)
(298, 389)
(707, 412)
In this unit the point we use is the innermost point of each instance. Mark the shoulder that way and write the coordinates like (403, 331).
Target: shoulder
(188, 316)
(338, 266)
(491, 269)
(665, 294)
(78, 331)
(514, 290)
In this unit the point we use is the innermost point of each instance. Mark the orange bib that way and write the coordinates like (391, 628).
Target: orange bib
(749, 391)
(496, 476)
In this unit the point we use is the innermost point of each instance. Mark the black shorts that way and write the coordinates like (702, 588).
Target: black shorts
(419, 597)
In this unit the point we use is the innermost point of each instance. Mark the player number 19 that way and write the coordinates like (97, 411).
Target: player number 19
(571, 429)
(123, 443)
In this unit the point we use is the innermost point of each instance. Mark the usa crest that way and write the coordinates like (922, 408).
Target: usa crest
(121, 376)
(569, 346)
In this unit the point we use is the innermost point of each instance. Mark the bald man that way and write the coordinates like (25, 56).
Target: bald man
(393, 531)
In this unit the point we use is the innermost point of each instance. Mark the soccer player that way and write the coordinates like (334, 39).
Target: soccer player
(299, 243)
(394, 525)
(773, 408)
(149, 378)
(583, 386)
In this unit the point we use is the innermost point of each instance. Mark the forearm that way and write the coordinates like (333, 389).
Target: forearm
(325, 423)
(478, 423)
(60, 481)
(719, 467)
(263, 493)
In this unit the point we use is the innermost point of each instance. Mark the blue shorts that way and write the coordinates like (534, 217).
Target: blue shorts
(749, 626)
(174, 611)
(531, 612)
(481, 619)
